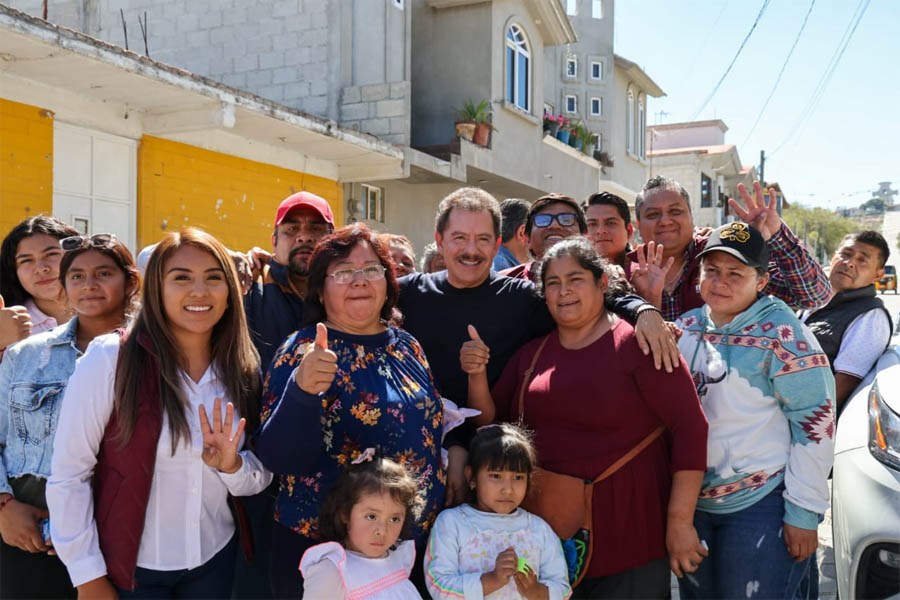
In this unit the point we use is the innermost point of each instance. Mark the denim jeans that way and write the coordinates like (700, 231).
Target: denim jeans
(747, 556)
(212, 579)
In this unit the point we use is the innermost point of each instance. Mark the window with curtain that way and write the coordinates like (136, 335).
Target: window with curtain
(518, 68)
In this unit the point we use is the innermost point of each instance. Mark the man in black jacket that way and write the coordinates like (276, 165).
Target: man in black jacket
(854, 328)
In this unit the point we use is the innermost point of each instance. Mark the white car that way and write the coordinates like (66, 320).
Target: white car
(866, 486)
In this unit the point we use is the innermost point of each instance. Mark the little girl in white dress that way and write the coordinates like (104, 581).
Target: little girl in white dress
(372, 504)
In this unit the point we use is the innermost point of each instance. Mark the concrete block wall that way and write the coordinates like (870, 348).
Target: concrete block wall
(277, 49)
(380, 109)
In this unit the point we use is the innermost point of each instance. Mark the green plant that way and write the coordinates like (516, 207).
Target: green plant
(473, 113)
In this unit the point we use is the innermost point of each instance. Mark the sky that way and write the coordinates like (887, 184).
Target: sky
(837, 154)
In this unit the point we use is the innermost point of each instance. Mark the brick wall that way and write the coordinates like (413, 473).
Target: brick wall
(379, 109)
(277, 49)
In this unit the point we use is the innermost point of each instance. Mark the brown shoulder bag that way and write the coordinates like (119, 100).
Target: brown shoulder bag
(565, 501)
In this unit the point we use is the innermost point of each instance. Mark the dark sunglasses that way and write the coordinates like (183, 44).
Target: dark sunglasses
(564, 219)
(98, 240)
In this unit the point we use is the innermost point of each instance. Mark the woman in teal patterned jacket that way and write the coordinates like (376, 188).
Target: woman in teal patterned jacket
(347, 381)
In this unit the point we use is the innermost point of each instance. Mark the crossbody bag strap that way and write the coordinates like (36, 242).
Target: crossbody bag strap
(631, 454)
(526, 379)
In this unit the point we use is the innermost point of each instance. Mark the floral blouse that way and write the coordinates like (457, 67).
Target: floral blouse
(383, 396)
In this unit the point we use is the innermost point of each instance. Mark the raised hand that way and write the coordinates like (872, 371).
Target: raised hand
(649, 278)
(759, 213)
(15, 324)
(220, 447)
(258, 258)
(316, 371)
(20, 526)
(474, 354)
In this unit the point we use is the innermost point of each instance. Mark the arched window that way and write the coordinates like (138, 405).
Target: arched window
(629, 122)
(642, 127)
(518, 68)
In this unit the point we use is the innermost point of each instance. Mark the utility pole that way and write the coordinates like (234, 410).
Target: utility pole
(762, 168)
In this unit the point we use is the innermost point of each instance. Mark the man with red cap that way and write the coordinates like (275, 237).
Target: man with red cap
(274, 307)
(274, 303)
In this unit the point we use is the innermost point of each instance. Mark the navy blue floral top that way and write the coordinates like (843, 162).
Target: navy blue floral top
(383, 396)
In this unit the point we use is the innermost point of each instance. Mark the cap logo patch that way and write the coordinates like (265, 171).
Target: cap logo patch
(736, 232)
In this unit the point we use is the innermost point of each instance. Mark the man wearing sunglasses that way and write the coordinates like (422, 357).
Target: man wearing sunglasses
(552, 218)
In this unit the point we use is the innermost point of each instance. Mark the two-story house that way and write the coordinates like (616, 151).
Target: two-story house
(696, 155)
(398, 70)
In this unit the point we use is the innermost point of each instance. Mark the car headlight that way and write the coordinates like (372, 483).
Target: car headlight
(884, 430)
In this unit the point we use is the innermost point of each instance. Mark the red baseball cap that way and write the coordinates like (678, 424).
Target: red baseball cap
(304, 199)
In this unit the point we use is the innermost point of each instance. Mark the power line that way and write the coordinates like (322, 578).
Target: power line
(780, 73)
(709, 32)
(819, 91)
(733, 60)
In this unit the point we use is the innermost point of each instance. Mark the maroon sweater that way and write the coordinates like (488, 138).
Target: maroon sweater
(588, 408)
(123, 476)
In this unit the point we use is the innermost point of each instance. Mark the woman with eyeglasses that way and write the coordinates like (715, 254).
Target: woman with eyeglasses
(349, 380)
(148, 448)
(99, 281)
(31, 297)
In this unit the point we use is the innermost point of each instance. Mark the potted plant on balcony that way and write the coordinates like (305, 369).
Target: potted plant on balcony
(552, 123)
(470, 117)
(576, 138)
(483, 129)
(589, 142)
(564, 132)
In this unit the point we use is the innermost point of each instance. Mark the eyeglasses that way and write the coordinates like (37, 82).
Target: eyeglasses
(98, 240)
(370, 273)
(564, 219)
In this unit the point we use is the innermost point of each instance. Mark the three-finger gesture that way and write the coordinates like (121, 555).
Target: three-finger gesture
(649, 279)
(760, 213)
(474, 354)
(318, 366)
(220, 445)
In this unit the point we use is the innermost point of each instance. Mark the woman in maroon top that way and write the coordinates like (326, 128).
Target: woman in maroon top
(592, 397)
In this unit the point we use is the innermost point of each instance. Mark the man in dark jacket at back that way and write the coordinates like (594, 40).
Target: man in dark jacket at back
(854, 328)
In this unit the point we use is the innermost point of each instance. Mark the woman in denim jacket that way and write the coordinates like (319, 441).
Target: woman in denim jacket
(100, 281)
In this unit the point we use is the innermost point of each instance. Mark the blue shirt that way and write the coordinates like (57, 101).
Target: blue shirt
(505, 259)
(33, 377)
(273, 310)
(383, 396)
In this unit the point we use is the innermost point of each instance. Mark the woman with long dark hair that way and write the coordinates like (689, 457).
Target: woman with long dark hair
(31, 297)
(100, 282)
(142, 475)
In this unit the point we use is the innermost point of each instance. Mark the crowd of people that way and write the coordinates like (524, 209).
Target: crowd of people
(541, 411)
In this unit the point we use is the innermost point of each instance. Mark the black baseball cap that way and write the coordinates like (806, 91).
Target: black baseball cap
(741, 241)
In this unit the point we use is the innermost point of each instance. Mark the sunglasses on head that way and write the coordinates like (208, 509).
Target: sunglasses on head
(98, 240)
(564, 219)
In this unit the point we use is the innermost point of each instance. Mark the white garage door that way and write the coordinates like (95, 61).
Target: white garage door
(95, 181)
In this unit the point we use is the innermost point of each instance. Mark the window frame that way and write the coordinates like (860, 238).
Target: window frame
(706, 198)
(597, 63)
(642, 126)
(596, 6)
(516, 44)
(373, 203)
(574, 98)
(629, 121)
(599, 100)
(572, 8)
(570, 60)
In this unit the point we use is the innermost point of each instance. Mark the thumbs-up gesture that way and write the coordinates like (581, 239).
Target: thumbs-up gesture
(317, 369)
(15, 324)
(474, 354)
